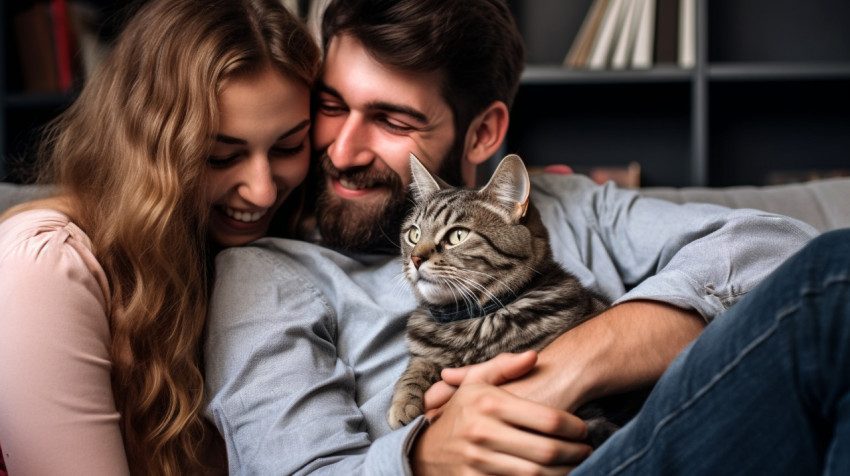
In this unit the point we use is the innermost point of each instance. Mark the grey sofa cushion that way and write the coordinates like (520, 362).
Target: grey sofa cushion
(824, 204)
(13, 194)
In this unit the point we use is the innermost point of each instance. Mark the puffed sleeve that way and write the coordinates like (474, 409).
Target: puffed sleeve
(57, 412)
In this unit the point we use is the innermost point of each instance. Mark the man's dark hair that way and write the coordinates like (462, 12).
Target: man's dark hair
(474, 44)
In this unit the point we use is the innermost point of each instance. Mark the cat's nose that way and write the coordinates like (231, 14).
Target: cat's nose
(416, 260)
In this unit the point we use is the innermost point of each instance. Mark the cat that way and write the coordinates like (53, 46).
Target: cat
(482, 269)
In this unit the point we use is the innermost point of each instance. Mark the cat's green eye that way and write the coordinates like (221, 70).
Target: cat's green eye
(457, 235)
(413, 234)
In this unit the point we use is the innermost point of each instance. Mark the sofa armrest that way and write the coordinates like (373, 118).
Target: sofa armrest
(12, 194)
(824, 204)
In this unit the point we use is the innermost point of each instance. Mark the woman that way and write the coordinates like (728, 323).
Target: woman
(189, 137)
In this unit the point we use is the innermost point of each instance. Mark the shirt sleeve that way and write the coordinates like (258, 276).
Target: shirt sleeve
(695, 256)
(278, 391)
(57, 412)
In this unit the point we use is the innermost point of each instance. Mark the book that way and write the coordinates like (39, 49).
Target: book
(600, 51)
(64, 47)
(315, 13)
(642, 54)
(84, 20)
(780, 177)
(292, 6)
(621, 58)
(625, 176)
(666, 49)
(687, 33)
(579, 52)
(33, 36)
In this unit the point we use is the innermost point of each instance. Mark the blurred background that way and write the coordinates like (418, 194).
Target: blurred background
(644, 92)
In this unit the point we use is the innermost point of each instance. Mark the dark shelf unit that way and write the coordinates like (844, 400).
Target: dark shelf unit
(22, 113)
(770, 91)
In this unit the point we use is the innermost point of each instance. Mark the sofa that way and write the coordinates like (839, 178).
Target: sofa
(824, 204)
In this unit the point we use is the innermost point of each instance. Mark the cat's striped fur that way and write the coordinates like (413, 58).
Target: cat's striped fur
(482, 268)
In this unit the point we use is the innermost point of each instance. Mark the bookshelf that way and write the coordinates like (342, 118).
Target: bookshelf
(30, 32)
(91, 25)
(768, 94)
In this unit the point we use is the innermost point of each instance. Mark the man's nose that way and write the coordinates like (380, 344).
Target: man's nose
(257, 185)
(351, 147)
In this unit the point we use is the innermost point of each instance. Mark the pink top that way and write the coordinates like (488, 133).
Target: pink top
(57, 413)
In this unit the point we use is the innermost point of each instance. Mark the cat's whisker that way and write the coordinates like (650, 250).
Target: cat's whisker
(533, 270)
(484, 291)
(466, 294)
(503, 284)
(401, 282)
(456, 288)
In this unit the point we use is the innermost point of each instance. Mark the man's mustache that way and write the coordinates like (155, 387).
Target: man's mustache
(362, 176)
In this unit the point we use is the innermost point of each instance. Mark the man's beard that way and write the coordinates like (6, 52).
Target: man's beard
(354, 226)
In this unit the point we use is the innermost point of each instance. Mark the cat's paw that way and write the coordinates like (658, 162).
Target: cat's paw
(599, 430)
(403, 411)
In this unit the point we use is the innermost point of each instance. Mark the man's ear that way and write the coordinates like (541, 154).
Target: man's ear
(486, 133)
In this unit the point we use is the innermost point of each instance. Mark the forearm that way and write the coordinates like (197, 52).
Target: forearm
(627, 347)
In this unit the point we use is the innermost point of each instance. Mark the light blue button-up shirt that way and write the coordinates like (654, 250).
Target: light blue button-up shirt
(305, 344)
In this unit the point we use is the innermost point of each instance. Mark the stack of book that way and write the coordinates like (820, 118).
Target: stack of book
(635, 34)
(55, 43)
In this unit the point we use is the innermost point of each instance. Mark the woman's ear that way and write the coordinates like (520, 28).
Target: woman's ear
(486, 133)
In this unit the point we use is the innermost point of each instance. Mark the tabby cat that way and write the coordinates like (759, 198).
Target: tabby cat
(482, 269)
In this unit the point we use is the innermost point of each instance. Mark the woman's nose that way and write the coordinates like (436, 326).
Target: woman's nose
(258, 186)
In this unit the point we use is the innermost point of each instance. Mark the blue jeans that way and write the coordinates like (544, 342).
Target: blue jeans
(764, 390)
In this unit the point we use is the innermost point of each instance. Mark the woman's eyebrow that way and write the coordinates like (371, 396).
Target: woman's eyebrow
(226, 139)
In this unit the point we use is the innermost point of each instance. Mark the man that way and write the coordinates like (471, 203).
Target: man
(305, 341)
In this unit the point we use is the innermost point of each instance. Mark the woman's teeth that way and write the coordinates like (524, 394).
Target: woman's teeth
(245, 217)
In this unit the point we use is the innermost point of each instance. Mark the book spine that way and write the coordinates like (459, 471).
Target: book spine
(687, 34)
(642, 56)
(580, 50)
(62, 44)
(33, 37)
(600, 52)
(667, 32)
(628, 33)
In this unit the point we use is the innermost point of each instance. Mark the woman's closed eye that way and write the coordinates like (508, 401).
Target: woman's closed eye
(222, 162)
(288, 151)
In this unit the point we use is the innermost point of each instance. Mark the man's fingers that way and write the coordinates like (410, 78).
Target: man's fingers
(502, 368)
(543, 419)
(438, 395)
(454, 376)
(544, 450)
(528, 431)
(506, 465)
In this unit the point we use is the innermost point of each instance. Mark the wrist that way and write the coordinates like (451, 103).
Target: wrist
(625, 348)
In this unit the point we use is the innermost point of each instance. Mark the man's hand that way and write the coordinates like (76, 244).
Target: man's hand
(627, 347)
(483, 429)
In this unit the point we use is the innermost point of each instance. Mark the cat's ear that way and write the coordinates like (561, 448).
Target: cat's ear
(424, 184)
(510, 186)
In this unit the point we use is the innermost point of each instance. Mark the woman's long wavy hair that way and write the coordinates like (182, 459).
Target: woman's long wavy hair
(129, 157)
